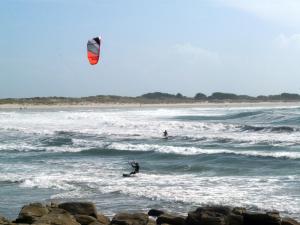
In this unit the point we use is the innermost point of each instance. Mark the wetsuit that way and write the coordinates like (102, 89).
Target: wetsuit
(136, 168)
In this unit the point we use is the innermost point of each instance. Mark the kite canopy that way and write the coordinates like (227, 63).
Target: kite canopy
(93, 50)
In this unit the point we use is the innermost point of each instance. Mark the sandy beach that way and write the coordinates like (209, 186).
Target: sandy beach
(161, 105)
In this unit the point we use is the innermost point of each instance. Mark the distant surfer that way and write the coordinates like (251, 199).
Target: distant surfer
(165, 134)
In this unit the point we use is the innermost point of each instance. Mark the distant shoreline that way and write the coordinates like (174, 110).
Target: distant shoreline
(150, 105)
(154, 99)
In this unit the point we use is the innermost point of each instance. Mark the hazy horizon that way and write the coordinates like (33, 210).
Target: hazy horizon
(242, 47)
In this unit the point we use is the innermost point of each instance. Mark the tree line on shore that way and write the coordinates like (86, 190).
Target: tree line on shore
(154, 97)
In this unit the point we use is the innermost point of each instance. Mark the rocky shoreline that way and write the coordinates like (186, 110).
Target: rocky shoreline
(85, 213)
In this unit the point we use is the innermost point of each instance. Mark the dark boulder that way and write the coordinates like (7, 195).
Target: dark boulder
(96, 223)
(103, 219)
(82, 208)
(224, 210)
(84, 219)
(234, 219)
(170, 219)
(261, 218)
(130, 219)
(238, 210)
(289, 221)
(57, 217)
(212, 215)
(32, 212)
(205, 218)
(155, 212)
(212, 219)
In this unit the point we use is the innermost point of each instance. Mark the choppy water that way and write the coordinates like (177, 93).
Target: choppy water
(235, 156)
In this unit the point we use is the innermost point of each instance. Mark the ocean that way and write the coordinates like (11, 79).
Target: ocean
(247, 157)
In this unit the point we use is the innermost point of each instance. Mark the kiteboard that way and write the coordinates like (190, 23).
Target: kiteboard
(126, 175)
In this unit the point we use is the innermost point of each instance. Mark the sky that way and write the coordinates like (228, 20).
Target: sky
(175, 46)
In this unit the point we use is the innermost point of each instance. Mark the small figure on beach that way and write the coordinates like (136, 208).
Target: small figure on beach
(136, 167)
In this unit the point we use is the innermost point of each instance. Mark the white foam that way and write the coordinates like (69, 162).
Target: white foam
(81, 178)
(241, 191)
(199, 151)
(83, 145)
(147, 123)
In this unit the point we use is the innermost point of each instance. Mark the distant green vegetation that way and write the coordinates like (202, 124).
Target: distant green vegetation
(152, 98)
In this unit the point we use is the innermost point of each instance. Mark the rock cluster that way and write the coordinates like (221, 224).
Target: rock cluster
(85, 213)
(222, 215)
(69, 213)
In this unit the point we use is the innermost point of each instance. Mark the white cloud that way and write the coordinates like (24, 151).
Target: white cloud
(194, 54)
(283, 41)
(283, 11)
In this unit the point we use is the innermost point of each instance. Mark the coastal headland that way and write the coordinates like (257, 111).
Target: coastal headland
(85, 213)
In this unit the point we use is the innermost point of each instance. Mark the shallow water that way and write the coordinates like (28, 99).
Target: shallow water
(235, 156)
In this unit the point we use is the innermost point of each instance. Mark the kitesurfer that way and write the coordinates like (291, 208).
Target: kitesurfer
(136, 167)
(165, 134)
